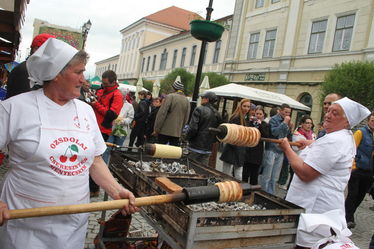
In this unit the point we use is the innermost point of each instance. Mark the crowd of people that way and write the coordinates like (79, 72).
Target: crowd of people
(48, 152)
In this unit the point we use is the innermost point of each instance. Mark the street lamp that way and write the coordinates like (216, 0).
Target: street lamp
(195, 94)
(85, 29)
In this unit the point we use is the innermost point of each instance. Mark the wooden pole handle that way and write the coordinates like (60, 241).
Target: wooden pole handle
(278, 141)
(95, 206)
(270, 140)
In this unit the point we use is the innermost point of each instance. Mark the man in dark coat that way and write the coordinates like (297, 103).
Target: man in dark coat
(140, 119)
(172, 116)
(197, 132)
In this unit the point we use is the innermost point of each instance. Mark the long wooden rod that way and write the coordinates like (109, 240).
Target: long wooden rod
(269, 140)
(278, 141)
(95, 206)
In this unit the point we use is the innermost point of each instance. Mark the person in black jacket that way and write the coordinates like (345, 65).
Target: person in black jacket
(156, 103)
(232, 155)
(140, 118)
(254, 155)
(197, 131)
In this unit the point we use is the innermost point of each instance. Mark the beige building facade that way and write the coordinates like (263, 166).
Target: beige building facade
(146, 31)
(284, 46)
(183, 51)
(107, 64)
(287, 46)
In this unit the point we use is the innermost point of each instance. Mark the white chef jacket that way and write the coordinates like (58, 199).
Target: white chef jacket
(51, 149)
(331, 155)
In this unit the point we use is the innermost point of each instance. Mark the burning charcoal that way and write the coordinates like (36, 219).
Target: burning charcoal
(146, 167)
(174, 170)
(222, 207)
(191, 171)
(159, 166)
(132, 163)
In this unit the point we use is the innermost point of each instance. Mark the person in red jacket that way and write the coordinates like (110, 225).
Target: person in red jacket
(108, 104)
(107, 107)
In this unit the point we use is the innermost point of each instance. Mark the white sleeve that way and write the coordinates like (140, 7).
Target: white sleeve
(129, 115)
(4, 127)
(322, 156)
(296, 138)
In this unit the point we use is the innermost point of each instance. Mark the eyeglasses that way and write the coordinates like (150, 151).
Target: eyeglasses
(327, 103)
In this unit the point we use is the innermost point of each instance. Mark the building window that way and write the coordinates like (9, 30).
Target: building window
(154, 62)
(253, 45)
(164, 58)
(183, 57)
(343, 33)
(143, 62)
(317, 37)
(259, 3)
(275, 1)
(193, 54)
(174, 58)
(217, 48)
(269, 43)
(148, 61)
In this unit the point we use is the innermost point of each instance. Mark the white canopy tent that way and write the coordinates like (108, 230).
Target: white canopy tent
(233, 90)
(128, 88)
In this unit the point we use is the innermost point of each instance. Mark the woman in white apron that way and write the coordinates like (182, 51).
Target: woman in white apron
(54, 143)
(323, 168)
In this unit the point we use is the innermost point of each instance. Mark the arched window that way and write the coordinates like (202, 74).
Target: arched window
(306, 99)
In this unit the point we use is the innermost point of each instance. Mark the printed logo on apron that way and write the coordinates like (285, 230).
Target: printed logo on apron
(78, 125)
(69, 163)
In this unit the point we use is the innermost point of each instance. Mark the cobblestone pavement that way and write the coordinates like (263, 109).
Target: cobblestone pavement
(361, 234)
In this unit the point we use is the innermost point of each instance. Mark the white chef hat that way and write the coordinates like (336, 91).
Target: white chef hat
(355, 112)
(49, 60)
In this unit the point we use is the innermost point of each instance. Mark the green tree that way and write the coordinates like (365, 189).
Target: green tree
(148, 84)
(215, 79)
(354, 80)
(186, 78)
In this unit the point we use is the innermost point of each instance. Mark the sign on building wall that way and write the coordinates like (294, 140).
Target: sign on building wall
(255, 77)
(72, 38)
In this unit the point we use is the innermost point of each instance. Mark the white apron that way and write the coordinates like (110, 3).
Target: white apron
(57, 174)
(314, 196)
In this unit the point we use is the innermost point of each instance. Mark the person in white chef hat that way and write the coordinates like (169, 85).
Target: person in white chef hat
(323, 167)
(54, 143)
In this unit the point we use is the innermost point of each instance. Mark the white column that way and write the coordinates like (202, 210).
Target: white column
(291, 31)
(371, 35)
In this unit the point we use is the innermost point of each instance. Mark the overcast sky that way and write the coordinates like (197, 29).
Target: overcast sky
(108, 17)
